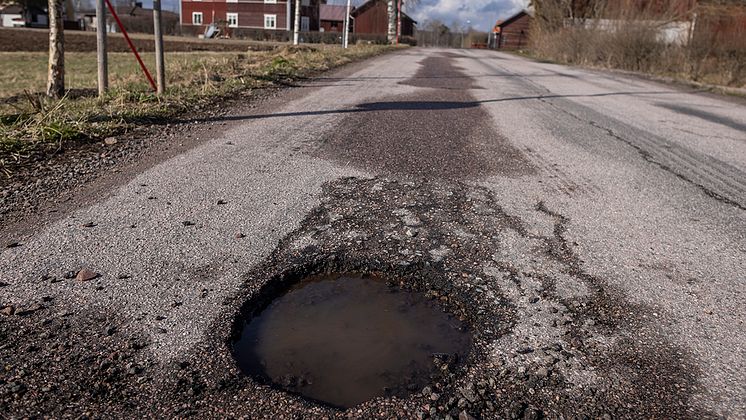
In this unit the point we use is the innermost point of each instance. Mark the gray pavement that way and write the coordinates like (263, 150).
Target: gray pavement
(608, 213)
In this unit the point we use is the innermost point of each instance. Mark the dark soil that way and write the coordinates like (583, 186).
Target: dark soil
(78, 41)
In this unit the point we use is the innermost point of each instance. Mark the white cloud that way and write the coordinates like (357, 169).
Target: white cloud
(479, 14)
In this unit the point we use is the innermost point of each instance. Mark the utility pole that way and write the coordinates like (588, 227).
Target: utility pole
(160, 69)
(392, 21)
(346, 37)
(398, 21)
(297, 22)
(101, 59)
(56, 73)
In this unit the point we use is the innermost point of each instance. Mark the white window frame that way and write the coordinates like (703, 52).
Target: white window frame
(228, 17)
(270, 2)
(274, 21)
(201, 18)
(231, 1)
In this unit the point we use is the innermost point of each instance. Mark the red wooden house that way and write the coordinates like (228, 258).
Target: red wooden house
(513, 32)
(271, 15)
(371, 17)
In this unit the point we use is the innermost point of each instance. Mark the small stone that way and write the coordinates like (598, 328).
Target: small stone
(464, 415)
(524, 350)
(462, 403)
(110, 330)
(434, 397)
(12, 244)
(25, 311)
(469, 393)
(70, 275)
(3, 284)
(160, 318)
(89, 225)
(187, 223)
(110, 141)
(123, 276)
(86, 275)
(542, 372)
(8, 310)
(534, 299)
(221, 202)
(240, 235)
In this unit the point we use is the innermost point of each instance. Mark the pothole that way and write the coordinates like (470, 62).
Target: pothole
(342, 339)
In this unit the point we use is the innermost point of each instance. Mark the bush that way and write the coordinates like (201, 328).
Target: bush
(633, 40)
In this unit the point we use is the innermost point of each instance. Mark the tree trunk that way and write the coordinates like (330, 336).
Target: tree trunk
(56, 75)
(392, 21)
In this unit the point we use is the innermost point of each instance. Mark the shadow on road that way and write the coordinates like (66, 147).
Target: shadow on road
(418, 106)
(704, 115)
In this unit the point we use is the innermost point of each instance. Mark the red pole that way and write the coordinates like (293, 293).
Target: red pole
(132, 47)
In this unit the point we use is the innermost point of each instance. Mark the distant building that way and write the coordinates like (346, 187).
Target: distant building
(513, 33)
(134, 18)
(11, 16)
(332, 18)
(15, 15)
(371, 17)
(271, 15)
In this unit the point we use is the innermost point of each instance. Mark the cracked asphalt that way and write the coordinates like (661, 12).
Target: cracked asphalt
(588, 226)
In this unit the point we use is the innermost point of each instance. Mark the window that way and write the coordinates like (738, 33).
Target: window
(305, 24)
(305, 2)
(232, 19)
(196, 18)
(270, 21)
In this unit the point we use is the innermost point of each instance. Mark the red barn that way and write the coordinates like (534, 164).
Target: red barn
(272, 15)
(513, 32)
(371, 17)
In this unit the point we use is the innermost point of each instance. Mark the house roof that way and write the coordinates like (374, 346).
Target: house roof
(332, 12)
(513, 18)
(11, 9)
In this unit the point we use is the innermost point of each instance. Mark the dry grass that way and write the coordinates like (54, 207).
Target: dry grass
(712, 55)
(30, 122)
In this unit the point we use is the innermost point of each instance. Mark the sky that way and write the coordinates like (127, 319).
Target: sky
(481, 13)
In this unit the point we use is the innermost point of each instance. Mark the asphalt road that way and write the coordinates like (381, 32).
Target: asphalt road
(589, 226)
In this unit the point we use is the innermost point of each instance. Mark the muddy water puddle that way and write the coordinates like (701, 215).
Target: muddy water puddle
(343, 339)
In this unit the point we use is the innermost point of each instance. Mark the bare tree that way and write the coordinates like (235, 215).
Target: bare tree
(56, 75)
(392, 12)
(393, 15)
